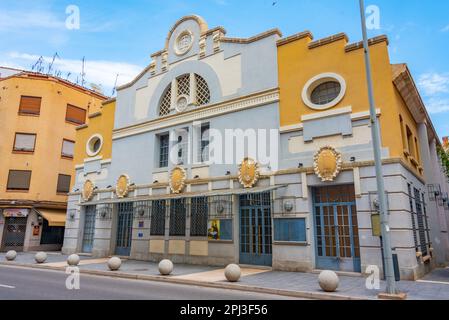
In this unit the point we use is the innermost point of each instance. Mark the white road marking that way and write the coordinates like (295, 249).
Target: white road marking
(6, 286)
(435, 282)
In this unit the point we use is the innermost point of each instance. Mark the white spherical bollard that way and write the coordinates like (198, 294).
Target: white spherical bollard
(114, 263)
(328, 281)
(73, 260)
(40, 257)
(11, 255)
(165, 267)
(233, 273)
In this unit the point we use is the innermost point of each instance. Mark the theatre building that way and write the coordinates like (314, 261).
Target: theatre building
(258, 151)
(38, 117)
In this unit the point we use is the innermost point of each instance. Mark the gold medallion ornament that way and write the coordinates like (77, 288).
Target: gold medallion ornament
(88, 190)
(327, 163)
(249, 173)
(177, 179)
(122, 186)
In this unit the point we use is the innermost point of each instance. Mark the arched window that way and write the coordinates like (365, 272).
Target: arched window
(185, 91)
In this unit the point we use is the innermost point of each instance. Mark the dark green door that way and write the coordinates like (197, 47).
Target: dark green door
(255, 229)
(124, 229)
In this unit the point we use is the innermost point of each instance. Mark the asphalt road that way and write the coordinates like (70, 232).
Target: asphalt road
(18, 283)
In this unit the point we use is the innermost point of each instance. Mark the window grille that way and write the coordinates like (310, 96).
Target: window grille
(178, 212)
(326, 92)
(421, 223)
(220, 207)
(142, 209)
(412, 212)
(255, 199)
(198, 217)
(158, 209)
(184, 85)
(202, 91)
(424, 205)
(165, 105)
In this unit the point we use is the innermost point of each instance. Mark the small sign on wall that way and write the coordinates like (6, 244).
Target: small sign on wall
(141, 224)
(36, 230)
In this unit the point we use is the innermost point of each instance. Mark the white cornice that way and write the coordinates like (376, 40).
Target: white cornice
(326, 114)
(247, 102)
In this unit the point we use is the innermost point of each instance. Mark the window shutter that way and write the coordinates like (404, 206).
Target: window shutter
(19, 180)
(75, 115)
(24, 142)
(30, 105)
(63, 184)
(68, 148)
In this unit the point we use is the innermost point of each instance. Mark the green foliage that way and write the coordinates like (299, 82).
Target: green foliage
(444, 157)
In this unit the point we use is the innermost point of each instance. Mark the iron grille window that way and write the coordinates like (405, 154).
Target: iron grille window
(425, 219)
(158, 218)
(202, 91)
(421, 223)
(326, 92)
(103, 211)
(255, 199)
(178, 217)
(220, 207)
(198, 217)
(163, 151)
(165, 105)
(412, 212)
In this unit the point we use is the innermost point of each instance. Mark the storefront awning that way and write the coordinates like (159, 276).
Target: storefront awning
(55, 218)
(224, 192)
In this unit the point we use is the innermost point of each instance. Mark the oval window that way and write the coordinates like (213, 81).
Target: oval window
(324, 91)
(94, 145)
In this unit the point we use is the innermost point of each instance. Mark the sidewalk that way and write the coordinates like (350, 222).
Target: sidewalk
(434, 286)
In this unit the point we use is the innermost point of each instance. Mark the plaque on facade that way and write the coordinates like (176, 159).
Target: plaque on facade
(122, 187)
(177, 180)
(248, 173)
(88, 190)
(327, 163)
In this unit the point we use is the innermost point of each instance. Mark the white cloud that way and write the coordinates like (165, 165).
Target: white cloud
(434, 83)
(97, 71)
(435, 105)
(14, 20)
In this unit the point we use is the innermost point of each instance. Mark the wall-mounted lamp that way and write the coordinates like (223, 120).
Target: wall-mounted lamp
(196, 177)
(352, 159)
(300, 165)
(228, 173)
(155, 181)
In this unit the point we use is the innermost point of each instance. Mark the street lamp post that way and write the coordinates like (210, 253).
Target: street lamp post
(375, 133)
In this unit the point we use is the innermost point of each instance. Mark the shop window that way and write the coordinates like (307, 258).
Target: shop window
(51, 235)
(198, 217)
(19, 180)
(75, 115)
(290, 230)
(30, 105)
(68, 148)
(63, 183)
(158, 218)
(24, 142)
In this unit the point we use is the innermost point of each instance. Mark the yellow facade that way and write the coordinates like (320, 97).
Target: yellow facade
(300, 59)
(50, 127)
(100, 123)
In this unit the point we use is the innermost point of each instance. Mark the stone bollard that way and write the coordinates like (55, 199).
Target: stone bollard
(233, 273)
(114, 263)
(328, 281)
(11, 255)
(73, 260)
(40, 257)
(165, 267)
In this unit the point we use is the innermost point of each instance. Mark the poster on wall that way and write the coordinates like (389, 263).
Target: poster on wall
(213, 229)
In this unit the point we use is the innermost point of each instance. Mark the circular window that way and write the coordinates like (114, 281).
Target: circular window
(94, 145)
(184, 42)
(324, 91)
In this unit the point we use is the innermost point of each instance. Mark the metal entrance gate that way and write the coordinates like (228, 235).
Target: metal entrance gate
(336, 229)
(255, 229)
(89, 229)
(124, 229)
(14, 238)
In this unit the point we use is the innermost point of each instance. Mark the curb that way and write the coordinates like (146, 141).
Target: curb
(216, 285)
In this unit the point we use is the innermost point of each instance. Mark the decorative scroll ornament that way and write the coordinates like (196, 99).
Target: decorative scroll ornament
(177, 180)
(88, 190)
(122, 186)
(327, 163)
(249, 173)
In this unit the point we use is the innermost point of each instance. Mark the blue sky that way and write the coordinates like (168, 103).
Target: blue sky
(119, 36)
